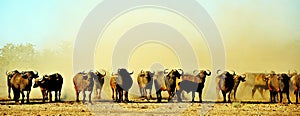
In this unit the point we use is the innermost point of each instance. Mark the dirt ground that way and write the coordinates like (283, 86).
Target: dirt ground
(36, 107)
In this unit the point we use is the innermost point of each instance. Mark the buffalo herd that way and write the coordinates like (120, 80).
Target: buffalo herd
(174, 81)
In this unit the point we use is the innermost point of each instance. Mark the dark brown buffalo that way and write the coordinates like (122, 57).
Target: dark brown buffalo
(260, 84)
(124, 83)
(284, 81)
(296, 84)
(170, 83)
(225, 83)
(145, 81)
(193, 83)
(48, 84)
(43, 84)
(99, 85)
(237, 80)
(9, 76)
(21, 82)
(85, 82)
(113, 85)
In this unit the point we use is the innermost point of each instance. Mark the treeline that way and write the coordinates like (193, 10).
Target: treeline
(26, 57)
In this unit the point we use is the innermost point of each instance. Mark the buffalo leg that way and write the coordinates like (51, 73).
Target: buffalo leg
(56, 94)
(288, 96)
(158, 94)
(90, 96)
(9, 92)
(193, 96)
(120, 94)
(16, 95)
(150, 93)
(113, 92)
(271, 96)
(77, 96)
(59, 95)
(200, 96)
(42, 91)
(50, 96)
(126, 96)
(46, 95)
(84, 95)
(229, 96)
(23, 95)
(27, 96)
(178, 93)
(43, 94)
(297, 95)
(224, 96)
(141, 91)
(117, 94)
(234, 95)
(170, 95)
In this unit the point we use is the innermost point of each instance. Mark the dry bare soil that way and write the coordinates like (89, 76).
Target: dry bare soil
(36, 107)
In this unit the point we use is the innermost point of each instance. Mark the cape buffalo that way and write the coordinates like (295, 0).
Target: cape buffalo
(85, 82)
(284, 81)
(169, 84)
(145, 81)
(48, 84)
(225, 83)
(99, 84)
(124, 83)
(260, 84)
(191, 83)
(296, 84)
(9, 76)
(113, 85)
(43, 84)
(21, 82)
(237, 80)
(273, 86)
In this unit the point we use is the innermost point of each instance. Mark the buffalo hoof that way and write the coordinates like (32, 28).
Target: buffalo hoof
(126, 101)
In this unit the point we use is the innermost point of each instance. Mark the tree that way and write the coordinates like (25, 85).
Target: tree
(18, 56)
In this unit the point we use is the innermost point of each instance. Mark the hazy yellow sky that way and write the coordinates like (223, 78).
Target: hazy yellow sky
(258, 35)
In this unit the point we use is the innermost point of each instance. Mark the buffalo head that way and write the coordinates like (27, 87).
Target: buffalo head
(175, 73)
(39, 82)
(100, 75)
(124, 71)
